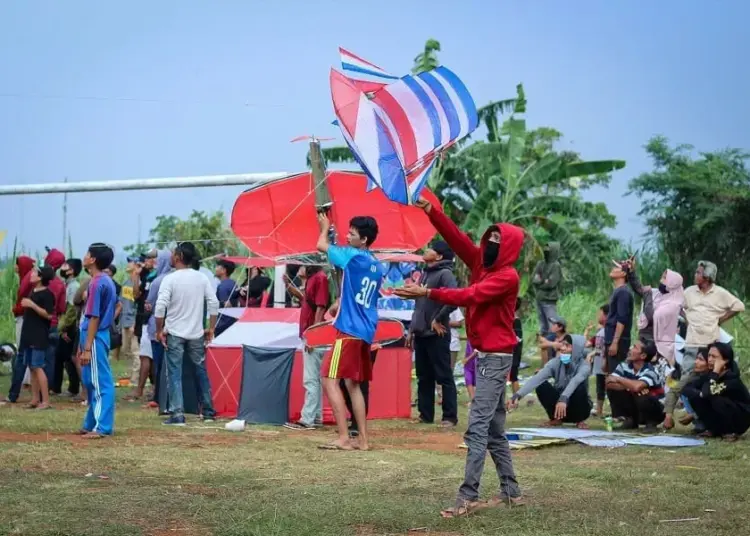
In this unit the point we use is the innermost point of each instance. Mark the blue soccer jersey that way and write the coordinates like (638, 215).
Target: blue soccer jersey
(101, 301)
(360, 290)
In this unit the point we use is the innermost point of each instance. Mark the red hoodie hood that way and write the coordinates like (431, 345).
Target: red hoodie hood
(490, 298)
(55, 258)
(25, 264)
(511, 242)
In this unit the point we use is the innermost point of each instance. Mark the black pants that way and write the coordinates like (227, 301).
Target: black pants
(365, 388)
(433, 364)
(517, 353)
(579, 405)
(64, 363)
(601, 387)
(641, 409)
(720, 415)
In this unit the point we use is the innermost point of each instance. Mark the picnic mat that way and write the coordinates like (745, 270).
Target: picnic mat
(520, 442)
(601, 438)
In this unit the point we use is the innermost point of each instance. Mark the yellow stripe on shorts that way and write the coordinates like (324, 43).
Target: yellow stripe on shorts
(335, 357)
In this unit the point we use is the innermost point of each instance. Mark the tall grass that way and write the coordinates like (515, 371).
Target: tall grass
(8, 289)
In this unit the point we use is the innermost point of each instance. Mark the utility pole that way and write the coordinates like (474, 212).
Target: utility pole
(65, 216)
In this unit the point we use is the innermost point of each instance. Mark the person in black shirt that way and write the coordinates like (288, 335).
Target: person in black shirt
(38, 309)
(719, 397)
(619, 319)
(146, 273)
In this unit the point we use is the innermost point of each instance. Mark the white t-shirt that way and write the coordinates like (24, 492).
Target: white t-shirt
(181, 300)
(456, 316)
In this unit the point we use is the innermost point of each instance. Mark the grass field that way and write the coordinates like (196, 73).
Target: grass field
(268, 481)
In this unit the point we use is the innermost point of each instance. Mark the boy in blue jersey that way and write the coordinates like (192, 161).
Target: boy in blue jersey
(93, 355)
(356, 321)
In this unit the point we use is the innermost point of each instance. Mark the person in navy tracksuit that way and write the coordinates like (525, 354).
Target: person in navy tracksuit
(98, 317)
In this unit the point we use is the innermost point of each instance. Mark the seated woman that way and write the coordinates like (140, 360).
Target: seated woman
(566, 399)
(250, 293)
(719, 399)
(635, 389)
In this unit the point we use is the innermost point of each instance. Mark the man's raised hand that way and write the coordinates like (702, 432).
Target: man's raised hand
(323, 221)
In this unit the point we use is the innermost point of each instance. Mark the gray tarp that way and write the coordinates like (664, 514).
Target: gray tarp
(266, 373)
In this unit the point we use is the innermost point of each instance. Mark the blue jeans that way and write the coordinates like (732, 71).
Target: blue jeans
(193, 349)
(19, 370)
(157, 361)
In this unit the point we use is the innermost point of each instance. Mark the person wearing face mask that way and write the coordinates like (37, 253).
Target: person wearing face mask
(490, 303)
(68, 329)
(658, 321)
(562, 385)
(547, 281)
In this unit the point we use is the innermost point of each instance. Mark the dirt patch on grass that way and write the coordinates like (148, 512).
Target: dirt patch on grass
(43, 437)
(144, 437)
(415, 439)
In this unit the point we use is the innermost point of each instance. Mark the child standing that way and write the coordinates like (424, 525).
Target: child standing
(599, 359)
(37, 320)
(470, 371)
(98, 317)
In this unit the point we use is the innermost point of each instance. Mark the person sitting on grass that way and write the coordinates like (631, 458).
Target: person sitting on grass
(701, 370)
(566, 399)
(636, 390)
(719, 398)
(38, 309)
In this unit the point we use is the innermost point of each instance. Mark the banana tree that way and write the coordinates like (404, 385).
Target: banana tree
(542, 196)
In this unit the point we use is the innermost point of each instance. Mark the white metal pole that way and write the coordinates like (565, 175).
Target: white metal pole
(141, 184)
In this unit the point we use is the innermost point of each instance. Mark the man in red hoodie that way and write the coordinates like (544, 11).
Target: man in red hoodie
(55, 259)
(24, 265)
(490, 302)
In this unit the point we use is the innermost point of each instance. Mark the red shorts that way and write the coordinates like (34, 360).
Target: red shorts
(348, 359)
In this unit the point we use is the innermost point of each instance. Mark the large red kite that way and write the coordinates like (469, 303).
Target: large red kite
(278, 218)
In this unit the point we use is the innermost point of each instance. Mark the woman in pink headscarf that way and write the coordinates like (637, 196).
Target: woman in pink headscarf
(663, 311)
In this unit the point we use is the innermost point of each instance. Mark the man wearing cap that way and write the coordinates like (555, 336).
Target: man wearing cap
(707, 306)
(430, 336)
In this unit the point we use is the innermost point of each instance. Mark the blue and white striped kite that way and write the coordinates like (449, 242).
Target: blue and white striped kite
(397, 127)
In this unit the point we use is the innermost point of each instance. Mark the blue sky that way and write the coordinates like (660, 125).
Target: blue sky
(221, 87)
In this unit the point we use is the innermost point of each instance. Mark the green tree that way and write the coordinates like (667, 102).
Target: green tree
(698, 207)
(208, 231)
(427, 59)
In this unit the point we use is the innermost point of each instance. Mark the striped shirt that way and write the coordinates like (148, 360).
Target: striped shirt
(647, 374)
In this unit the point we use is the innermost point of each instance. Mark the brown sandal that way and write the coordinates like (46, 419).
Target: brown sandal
(463, 508)
(505, 500)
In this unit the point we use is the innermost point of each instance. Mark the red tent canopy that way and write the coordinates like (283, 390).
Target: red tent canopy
(278, 218)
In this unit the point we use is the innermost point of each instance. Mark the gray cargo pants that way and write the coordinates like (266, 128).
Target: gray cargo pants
(486, 429)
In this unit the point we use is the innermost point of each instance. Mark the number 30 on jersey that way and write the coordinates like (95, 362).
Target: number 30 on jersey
(364, 296)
